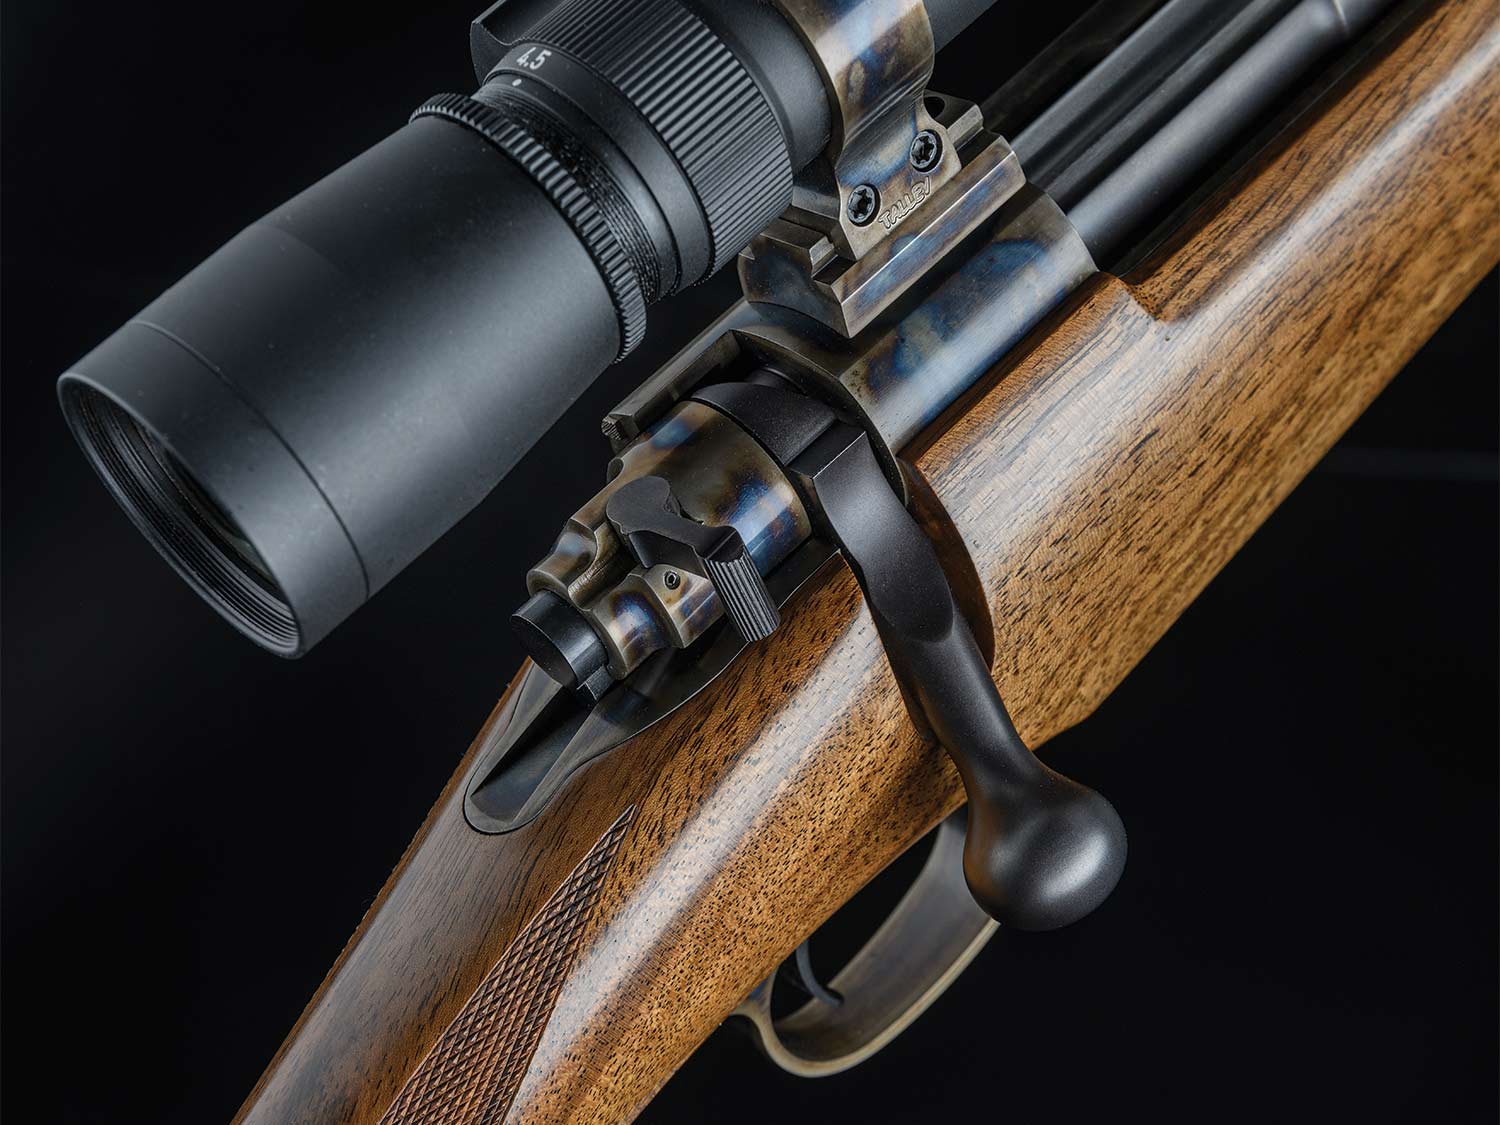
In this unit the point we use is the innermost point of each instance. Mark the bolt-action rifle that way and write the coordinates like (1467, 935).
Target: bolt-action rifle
(1011, 380)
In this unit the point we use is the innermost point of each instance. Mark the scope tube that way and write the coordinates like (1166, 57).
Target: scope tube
(308, 410)
(311, 407)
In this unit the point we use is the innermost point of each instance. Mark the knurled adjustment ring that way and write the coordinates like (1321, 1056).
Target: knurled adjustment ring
(513, 139)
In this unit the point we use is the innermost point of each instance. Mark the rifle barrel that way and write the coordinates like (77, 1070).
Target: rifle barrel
(1148, 120)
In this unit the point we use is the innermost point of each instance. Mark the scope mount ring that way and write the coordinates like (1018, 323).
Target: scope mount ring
(877, 115)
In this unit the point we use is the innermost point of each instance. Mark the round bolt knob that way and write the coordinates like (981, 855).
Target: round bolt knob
(1043, 855)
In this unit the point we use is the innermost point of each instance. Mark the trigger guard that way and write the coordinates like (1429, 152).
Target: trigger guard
(930, 937)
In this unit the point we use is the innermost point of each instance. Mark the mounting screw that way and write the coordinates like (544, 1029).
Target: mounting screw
(926, 151)
(864, 201)
(671, 580)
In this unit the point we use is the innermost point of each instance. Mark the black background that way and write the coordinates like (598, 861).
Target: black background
(192, 827)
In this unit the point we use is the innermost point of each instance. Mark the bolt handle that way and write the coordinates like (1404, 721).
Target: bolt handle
(1041, 850)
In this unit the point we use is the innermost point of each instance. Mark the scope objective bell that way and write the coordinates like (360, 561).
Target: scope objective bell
(316, 403)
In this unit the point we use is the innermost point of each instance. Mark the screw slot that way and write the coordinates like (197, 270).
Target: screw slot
(671, 580)
(926, 151)
(864, 201)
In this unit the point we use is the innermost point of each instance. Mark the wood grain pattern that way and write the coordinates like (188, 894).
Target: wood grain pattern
(1099, 480)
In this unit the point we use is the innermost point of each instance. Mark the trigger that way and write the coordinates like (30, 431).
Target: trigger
(797, 971)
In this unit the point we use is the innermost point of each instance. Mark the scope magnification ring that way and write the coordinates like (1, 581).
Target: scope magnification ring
(619, 268)
(699, 98)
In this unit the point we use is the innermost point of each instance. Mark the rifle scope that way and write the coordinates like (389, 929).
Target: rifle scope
(311, 407)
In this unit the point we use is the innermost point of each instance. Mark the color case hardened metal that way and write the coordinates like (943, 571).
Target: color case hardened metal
(913, 257)
(889, 337)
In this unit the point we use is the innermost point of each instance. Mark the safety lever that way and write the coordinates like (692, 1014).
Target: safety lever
(1041, 850)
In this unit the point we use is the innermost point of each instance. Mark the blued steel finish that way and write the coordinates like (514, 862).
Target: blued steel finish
(1161, 165)
(720, 477)
(1041, 850)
